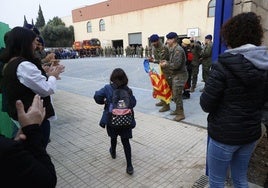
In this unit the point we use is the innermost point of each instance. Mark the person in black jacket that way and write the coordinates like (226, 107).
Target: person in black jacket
(234, 96)
(24, 161)
(265, 123)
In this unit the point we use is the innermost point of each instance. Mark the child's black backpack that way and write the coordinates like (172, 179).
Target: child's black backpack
(121, 113)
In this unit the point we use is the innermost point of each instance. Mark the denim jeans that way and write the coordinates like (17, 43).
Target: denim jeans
(221, 156)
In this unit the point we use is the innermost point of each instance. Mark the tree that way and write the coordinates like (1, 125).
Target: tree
(56, 21)
(25, 21)
(56, 34)
(40, 21)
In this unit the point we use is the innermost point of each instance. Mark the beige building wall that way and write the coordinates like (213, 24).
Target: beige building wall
(260, 7)
(67, 20)
(177, 17)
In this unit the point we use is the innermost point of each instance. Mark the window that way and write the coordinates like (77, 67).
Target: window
(89, 27)
(211, 8)
(102, 25)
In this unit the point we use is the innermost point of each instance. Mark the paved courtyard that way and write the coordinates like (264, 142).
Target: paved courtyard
(164, 153)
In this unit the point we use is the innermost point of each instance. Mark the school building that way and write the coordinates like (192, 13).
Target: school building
(132, 22)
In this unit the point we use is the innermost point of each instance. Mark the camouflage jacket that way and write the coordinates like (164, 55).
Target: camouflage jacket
(207, 52)
(177, 60)
(196, 50)
(160, 53)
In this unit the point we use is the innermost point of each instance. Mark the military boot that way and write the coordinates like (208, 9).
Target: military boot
(186, 95)
(161, 103)
(192, 89)
(165, 108)
(175, 112)
(180, 116)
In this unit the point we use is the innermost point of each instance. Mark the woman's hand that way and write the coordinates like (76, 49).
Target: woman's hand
(56, 71)
(34, 115)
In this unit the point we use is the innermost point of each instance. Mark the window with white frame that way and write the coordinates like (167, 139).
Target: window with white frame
(89, 27)
(102, 25)
(211, 8)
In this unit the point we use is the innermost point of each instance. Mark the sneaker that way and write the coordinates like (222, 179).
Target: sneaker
(113, 154)
(130, 170)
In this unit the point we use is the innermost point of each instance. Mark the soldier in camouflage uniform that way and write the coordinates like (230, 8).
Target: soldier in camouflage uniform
(146, 51)
(206, 58)
(142, 51)
(132, 51)
(150, 51)
(118, 51)
(196, 50)
(121, 51)
(105, 51)
(127, 51)
(160, 52)
(113, 52)
(178, 72)
(138, 51)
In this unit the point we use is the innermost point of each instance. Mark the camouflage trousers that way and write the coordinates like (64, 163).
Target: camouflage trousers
(195, 71)
(206, 65)
(177, 85)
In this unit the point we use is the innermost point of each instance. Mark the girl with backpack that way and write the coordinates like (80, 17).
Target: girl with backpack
(105, 96)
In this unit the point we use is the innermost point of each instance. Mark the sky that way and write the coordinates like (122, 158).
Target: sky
(12, 11)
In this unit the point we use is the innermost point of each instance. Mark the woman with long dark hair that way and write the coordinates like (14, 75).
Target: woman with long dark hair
(23, 76)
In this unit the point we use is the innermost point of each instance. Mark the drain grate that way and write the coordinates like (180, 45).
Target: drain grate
(202, 182)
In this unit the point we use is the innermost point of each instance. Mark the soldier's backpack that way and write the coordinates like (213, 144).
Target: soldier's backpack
(121, 114)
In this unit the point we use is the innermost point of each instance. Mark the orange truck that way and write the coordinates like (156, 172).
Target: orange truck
(87, 48)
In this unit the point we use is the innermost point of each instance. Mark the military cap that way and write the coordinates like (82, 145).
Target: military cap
(171, 35)
(31, 27)
(186, 41)
(208, 37)
(154, 38)
(41, 40)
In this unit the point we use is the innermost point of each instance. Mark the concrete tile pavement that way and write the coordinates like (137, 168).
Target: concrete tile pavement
(164, 153)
